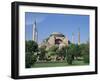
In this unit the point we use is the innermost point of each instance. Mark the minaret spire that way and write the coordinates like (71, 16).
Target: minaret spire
(78, 36)
(35, 32)
(73, 37)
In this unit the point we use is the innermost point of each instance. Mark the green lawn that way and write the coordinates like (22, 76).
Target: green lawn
(56, 64)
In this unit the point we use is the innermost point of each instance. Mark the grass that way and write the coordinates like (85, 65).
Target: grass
(57, 64)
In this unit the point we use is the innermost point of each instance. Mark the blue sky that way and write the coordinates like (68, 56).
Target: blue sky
(64, 23)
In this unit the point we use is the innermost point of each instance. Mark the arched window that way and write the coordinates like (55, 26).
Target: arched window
(58, 41)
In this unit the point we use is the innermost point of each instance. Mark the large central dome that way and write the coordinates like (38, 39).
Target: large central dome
(58, 34)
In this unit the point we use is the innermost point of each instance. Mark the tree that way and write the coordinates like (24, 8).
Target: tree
(77, 51)
(70, 53)
(42, 53)
(85, 52)
(30, 59)
(52, 50)
(85, 56)
(31, 48)
(62, 52)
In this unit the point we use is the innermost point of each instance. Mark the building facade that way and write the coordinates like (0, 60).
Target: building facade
(55, 38)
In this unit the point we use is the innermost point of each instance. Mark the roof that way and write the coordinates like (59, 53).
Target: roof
(58, 34)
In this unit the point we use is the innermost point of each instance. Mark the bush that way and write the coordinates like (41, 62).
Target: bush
(42, 53)
(62, 52)
(30, 59)
(53, 48)
(69, 58)
(85, 52)
(86, 58)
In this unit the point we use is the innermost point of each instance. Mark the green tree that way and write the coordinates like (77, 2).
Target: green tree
(42, 53)
(52, 50)
(30, 59)
(62, 52)
(31, 46)
(31, 49)
(77, 51)
(85, 52)
(70, 53)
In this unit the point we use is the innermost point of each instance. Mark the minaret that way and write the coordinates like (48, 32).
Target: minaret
(79, 36)
(35, 32)
(66, 40)
(73, 38)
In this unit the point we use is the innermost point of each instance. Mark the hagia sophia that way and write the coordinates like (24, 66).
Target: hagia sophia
(55, 38)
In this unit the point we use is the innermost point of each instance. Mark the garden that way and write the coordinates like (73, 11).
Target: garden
(72, 55)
